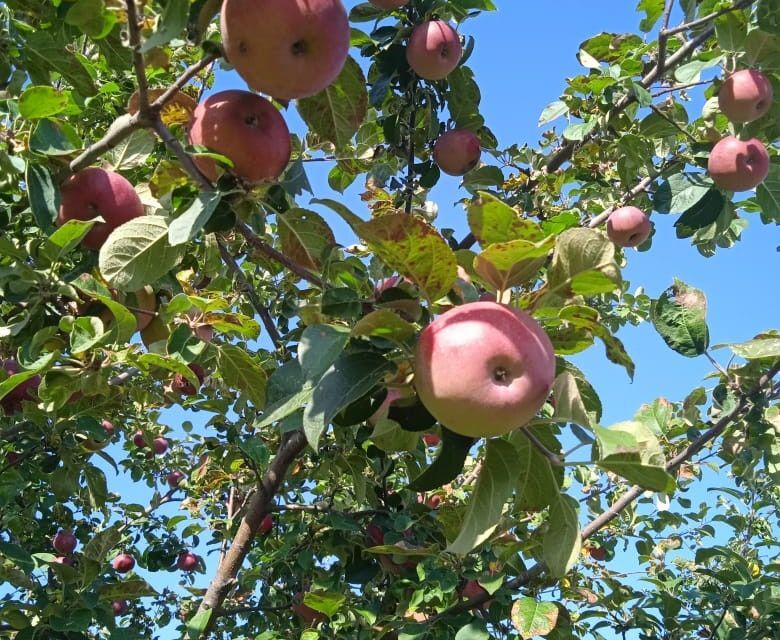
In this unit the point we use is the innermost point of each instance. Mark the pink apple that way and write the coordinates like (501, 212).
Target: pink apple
(266, 524)
(95, 192)
(187, 561)
(745, 96)
(457, 152)
(119, 607)
(64, 542)
(484, 369)
(434, 50)
(433, 502)
(12, 402)
(138, 440)
(174, 479)
(159, 445)
(393, 394)
(123, 563)
(472, 589)
(389, 4)
(738, 165)
(286, 48)
(247, 129)
(628, 227)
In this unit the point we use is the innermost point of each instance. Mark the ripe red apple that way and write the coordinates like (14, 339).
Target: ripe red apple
(433, 502)
(96, 192)
(183, 386)
(434, 50)
(628, 226)
(12, 402)
(738, 165)
(431, 440)
(484, 369)
(138, 440)
(389, 4)
(119, 607)
(457, 152)
(64, 542)
(305, 612)
(472, 589)
(93, 445)
(159, 445)
(174, 479)
(187, 561)
(123, 563)
(266, 524)
(745, 96)
(598, 553)
(247, 129)
(375, 535)
(286, 48)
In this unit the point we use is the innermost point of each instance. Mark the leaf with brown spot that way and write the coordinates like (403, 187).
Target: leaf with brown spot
(305, 237)
(492, 220)
(510, 264)
(532, 618)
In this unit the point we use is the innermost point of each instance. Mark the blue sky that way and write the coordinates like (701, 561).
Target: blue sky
(523, 54)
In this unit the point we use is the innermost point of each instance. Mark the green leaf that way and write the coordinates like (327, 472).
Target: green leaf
(494, 487)
(510, 264)
(583, 264)
(701, 214)
(349, 379)
(197, 624)
(102, 543)
(346, 214)
(137, 253)
(324, 602)
(390, 437)
(54, 138)
(91, 17)
(336, 113)
(13, 381)
(561, 545)
(691, 72)
(412, 247)
(125, 323)
(768, 194)
(578, 131)
(385, 324)
(305, 237)
(448, 464)
(537, 485)
(656, 416)
(762, 49)
(67, 237)
(320, 346)
(44, 196)
(131, 152)
(475, 630)
(681, 192)
(463, 97)
(42, 102)
(679, 315)
(170, 24)
(51, 54)
(532, 618)
(240, 371)
(492, 221)
(631, 450)
(186, 226)
(569, 405)
(766, 346)
(731, 31)
(553, 111)
(768, 15)
(131, 589)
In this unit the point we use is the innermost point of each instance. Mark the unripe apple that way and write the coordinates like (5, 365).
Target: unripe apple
(745, 96)
(64, 542)
(94, 192)
(174, 479)
(187, 561)
(12, 402)
(738, 165)
(457, 152)
(431, 440)
(484, 369)
(628, 227)
(247, 129)
(286, 48)
(434, 50)
(266, 524)
(123, 563)
(159, 446)
(138, 439)
(119, 607)
(93, 445)
(389, 4)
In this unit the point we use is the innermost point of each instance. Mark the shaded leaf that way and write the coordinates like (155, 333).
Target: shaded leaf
(561, 545)
(240, 371)
(679, 316)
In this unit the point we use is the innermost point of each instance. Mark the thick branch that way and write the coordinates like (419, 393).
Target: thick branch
(118, 131)
(258, 506)
(663, 36)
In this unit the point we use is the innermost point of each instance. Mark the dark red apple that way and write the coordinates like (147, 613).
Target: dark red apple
(174, 479)
(159, 445)
(138, 440)
(12, 402)
(457, 152)
(187, 561)
(431, 440)
(266, 524)
(183, 386)
(119, 607)
(123, 563)
(64, 542)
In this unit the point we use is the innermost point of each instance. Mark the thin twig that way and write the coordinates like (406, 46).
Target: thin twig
(680, 87)
(663, 35)
(134, 35)
(410, 160)
(539, 446)
(743, 4)
(187, 75)
(185, 158)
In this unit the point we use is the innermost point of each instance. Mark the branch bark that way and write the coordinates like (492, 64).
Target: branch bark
(134, 34)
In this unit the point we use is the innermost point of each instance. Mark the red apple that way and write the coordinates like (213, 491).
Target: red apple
(628, 227)
(187, 561)
(94, 192)
(247, 129)
(598, 553)
(94, 445)
(433, 502)
(12, 402)
(375, 535)
(393, 394)
(286, 48)
(389, 4)
(738, 165)
(119, 607)
(472, 589)
(123, 563)
(183, 386)
(305, 612)
(64, 542)
(159, 445)
(745, 96)
(266, 524)
(484, 369)
(174, 479)
(68, 562)
(431, 440)
(138, 440)
(457, 152)
(434, 50)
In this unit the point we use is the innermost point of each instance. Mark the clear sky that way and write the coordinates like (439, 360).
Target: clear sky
(523, 54)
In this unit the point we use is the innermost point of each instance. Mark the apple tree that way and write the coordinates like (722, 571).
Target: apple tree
(379, 432)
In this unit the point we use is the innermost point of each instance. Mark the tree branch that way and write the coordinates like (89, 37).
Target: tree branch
(138, 59)
(554, 458)
(188, 74)
(743, 4)
(258, 506)
(120, 129)
(663, 35)
(185, 158)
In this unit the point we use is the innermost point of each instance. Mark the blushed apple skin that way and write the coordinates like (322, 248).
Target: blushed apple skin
(434, 50)
(393, 394)
(738, 165)
(484, 369)
(246, 128)
(745, 96)
(94, 192)
(457, 152)
(286, 48)
(389, 4)
(628, 227)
